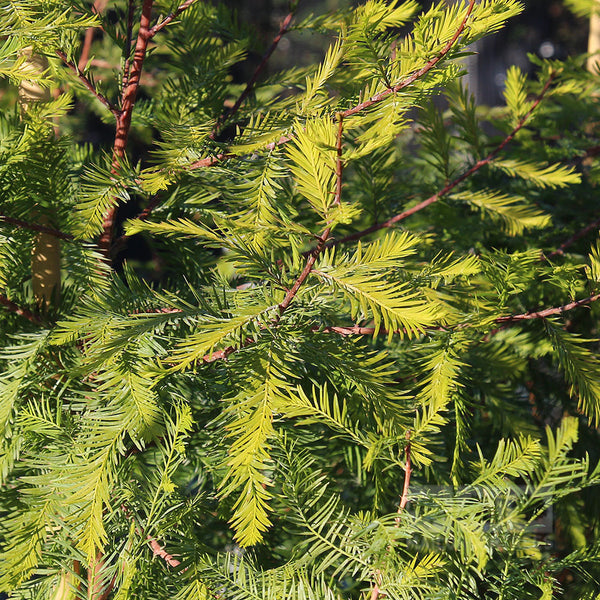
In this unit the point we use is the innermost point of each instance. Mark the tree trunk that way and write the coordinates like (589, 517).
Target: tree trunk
(594, 40)
(45, 255)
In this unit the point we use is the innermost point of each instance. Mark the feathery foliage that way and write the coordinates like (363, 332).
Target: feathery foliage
(360, 359)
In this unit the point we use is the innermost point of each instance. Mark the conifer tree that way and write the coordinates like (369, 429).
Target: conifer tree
(365, 364)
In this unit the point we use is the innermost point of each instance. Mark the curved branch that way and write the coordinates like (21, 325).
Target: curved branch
(356, 330)
(574, 238)
(376, 591)
(212, 161)
(283, 29)
(159, 551)
(124, 117)
(215, 160)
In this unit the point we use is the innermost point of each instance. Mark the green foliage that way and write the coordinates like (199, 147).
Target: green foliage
(362, 358)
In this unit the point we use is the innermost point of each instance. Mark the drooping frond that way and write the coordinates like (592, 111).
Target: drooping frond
(580, 366)
(511, 211)
(552, 176)
(393, 306)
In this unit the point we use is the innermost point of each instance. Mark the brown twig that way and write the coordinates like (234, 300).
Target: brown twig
(35, 227)
(154, 30)
(87, 83)
(450, 186)
(528, 316)
(407, 474)
(375, 592)
(577, 236)
(549, 312)
(22, 312)
(283, 29)
(124, 116)
(159, 551)
(211, 161)
(98, 7)
(356, 330)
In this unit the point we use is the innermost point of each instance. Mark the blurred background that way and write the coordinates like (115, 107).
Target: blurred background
(545, 28)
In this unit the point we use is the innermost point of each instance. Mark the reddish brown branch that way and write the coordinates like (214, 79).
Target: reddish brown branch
(376, 591)
(35, 227)
(98, 7)
(549, 312)
(407, 474)
(291, 294)
(450, 186)
(356, 330)
(22, 312)
(214, 160)
(124, 116)
(131, 89)
(87, 83)
(154, 30)
(528, 316)
(417, 74)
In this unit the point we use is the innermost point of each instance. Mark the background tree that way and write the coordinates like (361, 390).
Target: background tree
(362, 360)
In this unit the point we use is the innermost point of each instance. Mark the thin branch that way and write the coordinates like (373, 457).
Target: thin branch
(211, 161)
(407, 474)
(124, 117)
(417, 74)
(283, 29)
(449, 187)
(22, 312)
(154, 30)
(549, 312)
(98, 7)
(35, 227)
(577, 236)
(376, 592)
(356, 330)
(215, 160)
(131, 89)
(87, 83)
(339, 168)
(528, 316)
